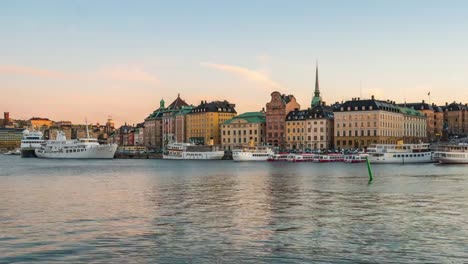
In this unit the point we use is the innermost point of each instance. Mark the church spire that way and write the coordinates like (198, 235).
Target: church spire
(316, 100)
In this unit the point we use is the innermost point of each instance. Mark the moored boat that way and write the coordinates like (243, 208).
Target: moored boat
(355, 158)
(279, 157)
(329, 158)
(30, 142)
(84, 148)
(400, 153)
(252, 154)
(452, 154)
(189, 151)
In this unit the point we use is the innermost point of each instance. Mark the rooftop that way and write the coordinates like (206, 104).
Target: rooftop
(249, 117)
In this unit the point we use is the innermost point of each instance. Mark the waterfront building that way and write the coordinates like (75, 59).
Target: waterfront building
(434, 118)
(360, 123)
(414, 125)
(276, 111)
(139, 135)
(153, 128)
(181, 123)
(10, 138)
(311, 128)
(6, 122)
(456, 118)
(40, 124)
(203, 122)
(169, 124)
(247, 129)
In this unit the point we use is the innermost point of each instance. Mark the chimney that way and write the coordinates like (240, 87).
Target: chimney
(372, 97)
(423, 102)
(6, 118)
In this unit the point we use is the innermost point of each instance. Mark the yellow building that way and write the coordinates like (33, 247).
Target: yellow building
(247, 129)
(204, 121)
(41, 124)
(360, 123)
(310, 129)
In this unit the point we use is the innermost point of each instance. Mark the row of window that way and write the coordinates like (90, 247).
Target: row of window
(308, 138)
(239, 132)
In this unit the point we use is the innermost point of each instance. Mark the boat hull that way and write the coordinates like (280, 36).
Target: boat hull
(402, 158)
(28, 153)
(214, 155)
(95, 152)
(243, 156)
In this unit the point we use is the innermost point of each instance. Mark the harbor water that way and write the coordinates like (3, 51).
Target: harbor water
(160, 211)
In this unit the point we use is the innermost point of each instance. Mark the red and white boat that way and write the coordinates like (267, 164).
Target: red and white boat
(305, 157)
(329, 158)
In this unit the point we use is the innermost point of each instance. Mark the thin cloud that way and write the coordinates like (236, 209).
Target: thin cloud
(115, 73)
(130, 74)
(251, 75)
(37, 72)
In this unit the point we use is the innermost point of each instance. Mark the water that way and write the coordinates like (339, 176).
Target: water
(157, 211)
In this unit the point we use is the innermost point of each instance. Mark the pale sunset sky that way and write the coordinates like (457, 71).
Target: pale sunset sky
(67, 60)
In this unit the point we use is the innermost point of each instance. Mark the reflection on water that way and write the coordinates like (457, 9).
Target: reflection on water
(216, 212)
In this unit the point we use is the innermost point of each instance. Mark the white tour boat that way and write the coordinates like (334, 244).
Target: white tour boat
(13, 152)
(400, 153)
(252, 154)
(30, 142)
(453, 154)
(189, 151)
(85, 148)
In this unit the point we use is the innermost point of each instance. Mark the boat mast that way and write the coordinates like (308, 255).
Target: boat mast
(87, 130)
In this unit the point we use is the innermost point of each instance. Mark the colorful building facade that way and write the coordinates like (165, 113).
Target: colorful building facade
(203, 122)
(247, 129)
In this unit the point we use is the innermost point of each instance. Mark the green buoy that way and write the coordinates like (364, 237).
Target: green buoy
(369, 170)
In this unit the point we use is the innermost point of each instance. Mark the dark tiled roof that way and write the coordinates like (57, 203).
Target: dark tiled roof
(368, 105)
(455, 107)
(317, 112)
(177, 104)
(216, 106)
(418, 106)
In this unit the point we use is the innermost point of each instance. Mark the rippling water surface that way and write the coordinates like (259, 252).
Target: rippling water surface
(157, 211)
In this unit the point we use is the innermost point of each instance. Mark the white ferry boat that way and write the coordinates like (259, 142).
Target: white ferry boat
(30, 142)
(252, 154)
(400, 153)
(85, 148)
(453, 154)
(189, 151)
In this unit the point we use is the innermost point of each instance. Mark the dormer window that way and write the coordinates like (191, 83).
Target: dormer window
(370, 107)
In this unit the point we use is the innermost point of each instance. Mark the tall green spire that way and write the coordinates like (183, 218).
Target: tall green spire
(316, 100)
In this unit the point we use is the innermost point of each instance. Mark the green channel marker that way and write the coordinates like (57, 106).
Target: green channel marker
(369, 169)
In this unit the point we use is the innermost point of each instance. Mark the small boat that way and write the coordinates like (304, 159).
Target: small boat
(452, 154)
(252, 154)
(355, 158)
(13, 152)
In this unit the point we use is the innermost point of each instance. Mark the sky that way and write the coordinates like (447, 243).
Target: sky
(71, 60)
